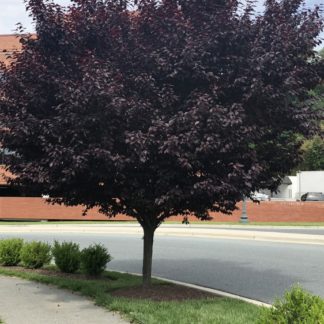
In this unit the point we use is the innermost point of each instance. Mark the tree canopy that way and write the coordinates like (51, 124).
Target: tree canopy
(313, 155)
(154, 108)
(312, 149)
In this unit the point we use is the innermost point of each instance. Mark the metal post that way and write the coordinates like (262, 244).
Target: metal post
(299, 184)
(244, 217)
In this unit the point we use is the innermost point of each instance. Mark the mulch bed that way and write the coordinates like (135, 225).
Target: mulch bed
(165, 292)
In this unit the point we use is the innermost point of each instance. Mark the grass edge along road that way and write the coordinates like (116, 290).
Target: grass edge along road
(202, 223)
(203, 311)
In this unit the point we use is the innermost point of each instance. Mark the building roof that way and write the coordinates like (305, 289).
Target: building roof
(9, 44)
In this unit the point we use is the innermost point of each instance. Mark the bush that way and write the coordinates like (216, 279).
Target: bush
(35, 254)
(94, 259)
(10, 251)
(297, 307)
(66, 256)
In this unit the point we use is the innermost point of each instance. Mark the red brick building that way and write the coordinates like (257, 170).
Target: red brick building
(9, 44)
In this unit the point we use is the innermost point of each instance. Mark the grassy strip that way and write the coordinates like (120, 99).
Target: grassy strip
(39, 222)
(202, 223)
(289, 224)
(211, 223)
(203, 311)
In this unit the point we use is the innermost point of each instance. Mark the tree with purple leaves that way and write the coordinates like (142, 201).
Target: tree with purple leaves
(155, 108)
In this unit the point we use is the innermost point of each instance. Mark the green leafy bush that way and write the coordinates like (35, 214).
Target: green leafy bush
(94, 259)
(297, 307)
(10, 251)
(66, 256)
(35, 254)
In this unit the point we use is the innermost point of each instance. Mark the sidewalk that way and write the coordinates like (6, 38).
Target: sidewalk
(25, 302)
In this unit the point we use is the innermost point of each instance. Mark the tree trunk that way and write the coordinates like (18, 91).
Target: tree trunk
(147, 255)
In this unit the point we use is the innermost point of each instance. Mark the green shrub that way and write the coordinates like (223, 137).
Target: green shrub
(66, 256)
(35, 254)
(10, 251)
(297, 307)
(94, 259)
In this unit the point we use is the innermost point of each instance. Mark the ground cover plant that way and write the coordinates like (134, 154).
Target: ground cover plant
(197, 308)
(157, 108)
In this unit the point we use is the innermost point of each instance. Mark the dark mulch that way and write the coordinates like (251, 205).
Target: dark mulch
(163, 293)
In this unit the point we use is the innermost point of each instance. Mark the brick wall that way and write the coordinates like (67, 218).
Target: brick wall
(272, 211)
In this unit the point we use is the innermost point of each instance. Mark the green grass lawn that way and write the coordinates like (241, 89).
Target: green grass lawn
(203, 223)
(254, 223)
(283, 224)
(203, 311)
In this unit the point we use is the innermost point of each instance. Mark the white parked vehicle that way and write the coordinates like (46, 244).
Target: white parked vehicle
(259, 196)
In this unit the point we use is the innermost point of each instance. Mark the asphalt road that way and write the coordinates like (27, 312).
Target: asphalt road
(257, 270)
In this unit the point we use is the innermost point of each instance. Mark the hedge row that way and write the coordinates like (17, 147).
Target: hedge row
(67, 255)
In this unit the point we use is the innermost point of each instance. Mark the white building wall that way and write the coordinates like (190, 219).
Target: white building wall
(294, 187)
(287, 191)
(304, 181)
(310, 181)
